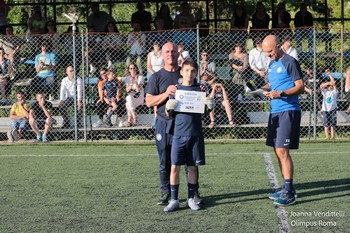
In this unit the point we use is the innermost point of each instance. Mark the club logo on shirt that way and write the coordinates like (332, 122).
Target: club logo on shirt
(329, 100)
(279, 70)
(159, 137)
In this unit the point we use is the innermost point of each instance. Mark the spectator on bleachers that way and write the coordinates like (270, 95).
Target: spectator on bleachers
(164, 14)
(329, 106)
(185, 19)
(239, 24)
(258, 62)
(307, 77)
(281, 20)
(40, 117)
(207, 67)
(185, 24)
(347, 86)
(134, 82)
(69, 89)
(19, 116)
(12, 45)
(4, 10)
(52, 36)
(45, 66)
(36, 23)
(136, 42)
(260, 18)
(287, 47)
(66, 41)
(5, 70)
(98, 19)
(94, 50)
(159, 32)
(112, 96)
(154, 59)
(222, 101)
(303, 20)
(112, 43)
(144, 18)
(238, 59)
(101, 105)
(183, 54)
(36, 26)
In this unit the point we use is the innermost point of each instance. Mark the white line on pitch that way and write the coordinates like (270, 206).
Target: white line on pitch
(154, 154)
(281, 212)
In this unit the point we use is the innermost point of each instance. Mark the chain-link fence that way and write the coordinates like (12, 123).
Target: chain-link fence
(40, 64)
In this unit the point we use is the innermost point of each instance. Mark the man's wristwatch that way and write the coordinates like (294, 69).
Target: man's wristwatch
(282, 94)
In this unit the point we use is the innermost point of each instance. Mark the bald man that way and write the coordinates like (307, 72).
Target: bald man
(69, 89)
(160, 87)
(284, 85)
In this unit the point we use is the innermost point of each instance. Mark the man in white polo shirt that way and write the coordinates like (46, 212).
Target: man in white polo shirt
(70, 89)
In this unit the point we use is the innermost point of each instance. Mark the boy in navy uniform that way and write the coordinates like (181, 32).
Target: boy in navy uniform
(160, 87)
(284, 86)
(188, 140)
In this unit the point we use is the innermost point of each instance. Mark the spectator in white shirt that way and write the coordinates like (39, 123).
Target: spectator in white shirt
(287, 47)
(69, 89)
(258, 62)
(183, 54)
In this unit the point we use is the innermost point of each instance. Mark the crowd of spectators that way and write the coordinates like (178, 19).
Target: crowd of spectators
(104, 49)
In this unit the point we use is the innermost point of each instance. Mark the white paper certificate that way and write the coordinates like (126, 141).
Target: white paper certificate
(190, 101)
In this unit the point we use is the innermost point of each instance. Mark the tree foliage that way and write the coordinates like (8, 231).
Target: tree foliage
(121, 11)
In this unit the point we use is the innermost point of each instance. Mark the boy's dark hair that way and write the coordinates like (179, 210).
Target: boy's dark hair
(20, 93)
(190, 63)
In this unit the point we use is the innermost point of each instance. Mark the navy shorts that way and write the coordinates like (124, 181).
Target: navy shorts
(283, 130)
(188, 150)
(329, 118)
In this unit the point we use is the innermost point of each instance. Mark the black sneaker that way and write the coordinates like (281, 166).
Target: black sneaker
(164, 199)
(197, 198)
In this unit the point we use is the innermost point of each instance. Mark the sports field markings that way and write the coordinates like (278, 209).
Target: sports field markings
(281, 212)
(154, 154)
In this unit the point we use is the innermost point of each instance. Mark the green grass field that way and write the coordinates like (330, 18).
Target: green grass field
(114, 188)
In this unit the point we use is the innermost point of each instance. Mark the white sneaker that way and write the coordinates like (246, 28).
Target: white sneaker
(121, 123)
(192, 204)
(173, 205)
(97, 124)
(9, 136)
